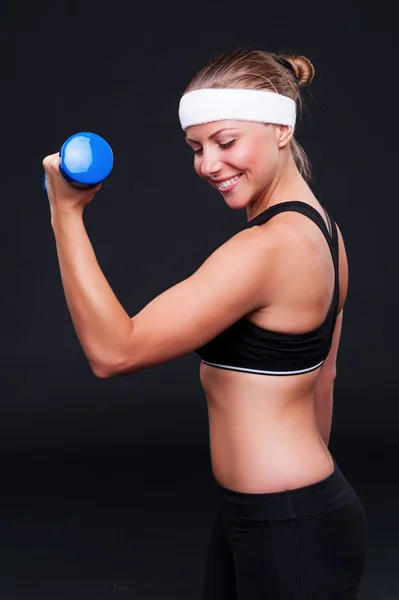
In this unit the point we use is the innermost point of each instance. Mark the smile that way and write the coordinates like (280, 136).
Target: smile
(228, 185)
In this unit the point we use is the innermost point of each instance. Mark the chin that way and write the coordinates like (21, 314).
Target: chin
(236, 203)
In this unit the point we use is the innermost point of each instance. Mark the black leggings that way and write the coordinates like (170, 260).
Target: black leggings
(309, 543)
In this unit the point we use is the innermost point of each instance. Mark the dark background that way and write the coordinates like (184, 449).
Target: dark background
(106, 484)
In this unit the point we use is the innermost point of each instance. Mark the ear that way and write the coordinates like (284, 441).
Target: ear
(284, 134)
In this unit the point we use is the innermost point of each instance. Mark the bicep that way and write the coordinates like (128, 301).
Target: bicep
(225, 288)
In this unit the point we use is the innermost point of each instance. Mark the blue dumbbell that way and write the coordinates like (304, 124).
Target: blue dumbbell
(86, 160)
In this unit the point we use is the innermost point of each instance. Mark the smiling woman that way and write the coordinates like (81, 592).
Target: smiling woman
(264, 313)
(243, 158)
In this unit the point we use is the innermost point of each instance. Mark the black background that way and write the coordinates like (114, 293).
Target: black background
(107, 489)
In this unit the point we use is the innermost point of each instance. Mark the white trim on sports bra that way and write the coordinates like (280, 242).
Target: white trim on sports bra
(261, 372)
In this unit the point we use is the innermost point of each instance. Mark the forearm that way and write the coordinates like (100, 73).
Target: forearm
(101, 323)
(323, 405)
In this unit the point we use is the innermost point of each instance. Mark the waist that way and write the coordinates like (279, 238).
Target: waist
(263, 430)
(331, 493)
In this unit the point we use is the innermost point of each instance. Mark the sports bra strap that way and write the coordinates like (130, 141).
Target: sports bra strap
(306, 209)
(329, 220)
(285, 206)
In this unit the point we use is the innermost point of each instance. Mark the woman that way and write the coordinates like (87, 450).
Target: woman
(264, 312)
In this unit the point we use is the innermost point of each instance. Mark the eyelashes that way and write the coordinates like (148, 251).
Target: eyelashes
(227, 144)
(223, 146)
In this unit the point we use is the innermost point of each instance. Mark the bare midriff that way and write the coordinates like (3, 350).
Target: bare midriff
(263, 432)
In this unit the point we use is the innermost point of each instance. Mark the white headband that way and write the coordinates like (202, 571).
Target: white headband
(227, 104)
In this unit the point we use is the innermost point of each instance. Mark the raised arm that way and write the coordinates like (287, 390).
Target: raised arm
(178, 321)
(226, 287)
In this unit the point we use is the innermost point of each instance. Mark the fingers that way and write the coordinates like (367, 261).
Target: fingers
(51, 163)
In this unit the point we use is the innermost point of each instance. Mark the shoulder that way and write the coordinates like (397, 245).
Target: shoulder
(246, 253)
(282, 234)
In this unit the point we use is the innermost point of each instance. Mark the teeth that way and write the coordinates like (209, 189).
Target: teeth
(226, 184)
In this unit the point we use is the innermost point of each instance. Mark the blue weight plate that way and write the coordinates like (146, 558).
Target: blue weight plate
(86, 159)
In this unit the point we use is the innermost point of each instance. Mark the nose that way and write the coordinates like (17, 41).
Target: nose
(210, 163)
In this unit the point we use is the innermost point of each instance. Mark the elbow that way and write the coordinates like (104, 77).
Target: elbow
(102, 367)
(102, 374)
(101, 371)
(110, 370)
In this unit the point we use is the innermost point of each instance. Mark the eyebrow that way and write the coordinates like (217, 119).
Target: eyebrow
(213, 134)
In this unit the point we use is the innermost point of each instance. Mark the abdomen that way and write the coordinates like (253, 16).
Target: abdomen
(263, 431)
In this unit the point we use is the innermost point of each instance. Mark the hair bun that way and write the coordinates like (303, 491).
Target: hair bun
(303, 68)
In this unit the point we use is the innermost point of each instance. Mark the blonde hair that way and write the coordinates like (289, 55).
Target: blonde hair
(260, 70)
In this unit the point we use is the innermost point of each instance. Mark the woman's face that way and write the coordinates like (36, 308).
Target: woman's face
(240, 159)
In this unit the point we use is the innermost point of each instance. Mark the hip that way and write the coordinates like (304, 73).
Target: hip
(327, 495)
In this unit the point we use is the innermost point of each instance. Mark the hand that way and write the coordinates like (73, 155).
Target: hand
(61, 194)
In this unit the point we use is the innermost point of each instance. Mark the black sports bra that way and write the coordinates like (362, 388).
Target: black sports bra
(247, 347)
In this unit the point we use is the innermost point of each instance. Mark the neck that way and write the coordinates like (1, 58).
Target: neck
(288, 184)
